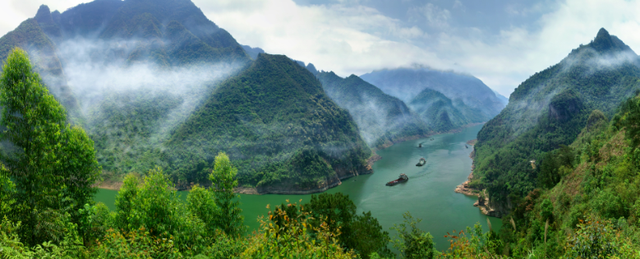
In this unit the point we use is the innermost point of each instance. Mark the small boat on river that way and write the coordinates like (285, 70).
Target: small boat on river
(421, 162)
(403, 178)
(420, 145)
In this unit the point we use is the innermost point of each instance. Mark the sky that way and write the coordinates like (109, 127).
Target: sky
(500, 42)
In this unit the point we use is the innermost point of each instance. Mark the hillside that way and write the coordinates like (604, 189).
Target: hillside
(587, 194)
(469, 95)
(282, 131)
(31, 37)
(437, 111)
(149, 80)
(381, 119)
(549, 110)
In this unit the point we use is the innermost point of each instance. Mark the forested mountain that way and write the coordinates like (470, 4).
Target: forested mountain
(381, 119)
(144, 78)
(549, 110)
(276, 122)
(468, 94)
(438, 111)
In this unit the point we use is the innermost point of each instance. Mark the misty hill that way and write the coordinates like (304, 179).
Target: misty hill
(278, 126)
(252, 52)
(31, 37)
(469, 95)
(548, 110)
(381, 119)
(438, 111)
(158, 84)
(502, 98)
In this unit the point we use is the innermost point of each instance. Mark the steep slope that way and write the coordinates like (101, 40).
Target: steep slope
(30, 36)
(470, 96)
(381, 119)
(437, 110)
(589, 189)
(548, 110)
(277, 125)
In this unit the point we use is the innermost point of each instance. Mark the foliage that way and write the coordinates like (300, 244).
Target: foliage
(277, 125)
(156, 208)
(413, 242)
(362, 233)
(223, 178)
(476, 245)
(291, 238)
(52, 165)
(546, 111)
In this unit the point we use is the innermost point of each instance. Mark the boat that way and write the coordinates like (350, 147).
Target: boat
(465, 145)
(420, 145)
(421, 162)
(403, 178)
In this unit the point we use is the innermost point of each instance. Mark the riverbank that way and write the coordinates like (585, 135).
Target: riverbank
(465, 188)
(329, 183)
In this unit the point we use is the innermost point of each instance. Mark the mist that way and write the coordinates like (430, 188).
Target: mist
(94, 69)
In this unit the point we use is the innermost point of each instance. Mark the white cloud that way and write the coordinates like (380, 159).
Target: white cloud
(347, 39)
(433, 15)
(350, 38)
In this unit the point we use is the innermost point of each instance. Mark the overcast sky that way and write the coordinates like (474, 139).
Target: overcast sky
(500, 42)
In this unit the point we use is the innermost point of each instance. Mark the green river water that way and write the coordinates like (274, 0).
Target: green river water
(428, 194)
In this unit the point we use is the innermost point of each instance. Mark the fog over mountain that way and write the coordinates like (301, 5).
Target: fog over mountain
(550, 109)
(468, 94)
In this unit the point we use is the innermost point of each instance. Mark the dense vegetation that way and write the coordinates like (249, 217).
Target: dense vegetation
(549, 110)
(585, 203)
(381, 119)
(438, 111)
(276, 123)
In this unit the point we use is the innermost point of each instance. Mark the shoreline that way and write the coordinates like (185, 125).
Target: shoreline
(464, 188)
(370, 161)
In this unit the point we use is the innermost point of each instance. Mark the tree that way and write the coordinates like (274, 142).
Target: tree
(413, 243)
(201, 203)
(223, 179)
(53, 165)
(360, 233)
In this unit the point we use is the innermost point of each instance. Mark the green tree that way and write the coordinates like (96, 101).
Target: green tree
(223, 176)
(156, 208)
(201, 203)
(53, 165)
(361, 233)
(413, 242)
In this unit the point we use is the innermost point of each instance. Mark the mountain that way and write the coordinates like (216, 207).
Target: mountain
(381, 119)
(503, 99)
(252, 52)
(469, 95)
(155, 83)
(549, 110)
(277, 125)
(437, 111)
(30, 36)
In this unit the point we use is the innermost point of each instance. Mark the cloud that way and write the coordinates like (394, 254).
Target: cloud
(434, 16)
(345, 38)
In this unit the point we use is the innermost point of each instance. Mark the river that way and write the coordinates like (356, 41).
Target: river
(427, 195)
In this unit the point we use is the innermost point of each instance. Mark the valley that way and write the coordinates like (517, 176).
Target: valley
(143, 129)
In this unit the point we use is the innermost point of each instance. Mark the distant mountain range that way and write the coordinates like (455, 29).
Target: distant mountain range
(472, 98)
(381, 119)
(549, 110)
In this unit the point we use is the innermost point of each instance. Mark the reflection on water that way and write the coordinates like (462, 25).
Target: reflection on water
(427, 195)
